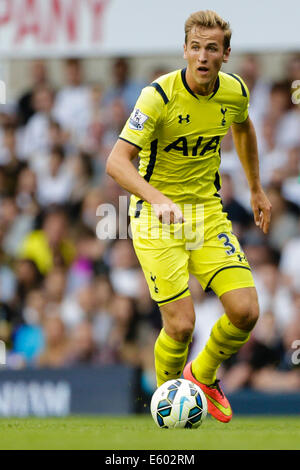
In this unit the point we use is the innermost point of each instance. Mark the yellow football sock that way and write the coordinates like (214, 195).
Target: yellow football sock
(170, 357)
(225, 339)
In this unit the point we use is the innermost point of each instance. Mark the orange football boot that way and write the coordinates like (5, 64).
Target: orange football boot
(217, 404)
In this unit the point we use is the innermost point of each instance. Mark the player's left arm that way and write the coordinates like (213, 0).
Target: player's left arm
(244, 137)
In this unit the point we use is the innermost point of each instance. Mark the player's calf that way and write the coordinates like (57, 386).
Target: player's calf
(171, 347)
(179, 319)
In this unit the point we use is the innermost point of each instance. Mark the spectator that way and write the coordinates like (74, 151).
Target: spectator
(122, 340)
(36, 131)
(17, 225)
(250, 71)
(289, 133)
(28, 279)
(50, 246)
(274, 159)
(90, 203)
(256, 249)
(124, 88)
(10, 155)
(25, 191)
(158, 72)
(83, 349)
(103, 319)
(10, 152)
(79, 306)
(7, 284)
(97, 121)
(89, 252)
(284, 224)
(55, 183)
(273, 295)
(56, 349)
(71, 107)
(56, 138)
(238, 215)
(116, 116)
(287, 119)
(55, 287)
(6, 322)
(280, 100)
(39, 77)
(292, 68)
(124, 272)
(28, 339)
(82, 171)
(290, 177)
(289, 261)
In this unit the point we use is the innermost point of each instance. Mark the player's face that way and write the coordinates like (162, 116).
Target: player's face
(205, 54)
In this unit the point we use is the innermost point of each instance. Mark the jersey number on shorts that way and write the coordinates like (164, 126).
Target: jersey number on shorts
(226, 243)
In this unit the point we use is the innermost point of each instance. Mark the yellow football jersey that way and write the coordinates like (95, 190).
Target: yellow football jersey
(179, 135)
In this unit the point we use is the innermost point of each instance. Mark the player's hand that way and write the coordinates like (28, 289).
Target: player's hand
(167, 212)
(261, 207)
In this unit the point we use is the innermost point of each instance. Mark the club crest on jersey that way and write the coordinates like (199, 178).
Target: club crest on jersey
(223, 111)
(153, 279)
(186, 119)
(137, 120)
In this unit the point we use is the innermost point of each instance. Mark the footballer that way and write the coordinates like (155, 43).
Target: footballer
(176, 130)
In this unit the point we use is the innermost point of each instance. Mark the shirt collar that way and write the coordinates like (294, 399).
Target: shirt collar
(216, 87)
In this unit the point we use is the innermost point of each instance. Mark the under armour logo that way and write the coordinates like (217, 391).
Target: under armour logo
(181, 118)
(223, 111)
(241, 258)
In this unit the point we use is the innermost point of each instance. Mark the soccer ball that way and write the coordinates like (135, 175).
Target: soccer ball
(179, 403)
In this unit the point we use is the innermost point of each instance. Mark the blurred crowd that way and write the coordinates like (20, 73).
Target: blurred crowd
(68, 297)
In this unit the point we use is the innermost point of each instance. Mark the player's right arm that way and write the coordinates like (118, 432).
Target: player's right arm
(120, 167)
(137, 132)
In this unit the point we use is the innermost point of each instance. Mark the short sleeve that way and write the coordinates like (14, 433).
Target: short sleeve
(141, 125)
(244, 104)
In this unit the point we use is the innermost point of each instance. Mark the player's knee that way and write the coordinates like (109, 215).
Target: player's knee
(182, 331)
(248, 320)
(186, 332)
(179, 319)
(246, 315)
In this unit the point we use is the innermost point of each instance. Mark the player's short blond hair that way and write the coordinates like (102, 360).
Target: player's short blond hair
(208, 19)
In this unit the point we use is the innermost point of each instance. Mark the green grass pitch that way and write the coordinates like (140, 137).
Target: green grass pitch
(140, 432)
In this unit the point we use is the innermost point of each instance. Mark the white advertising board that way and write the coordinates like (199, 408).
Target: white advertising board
(57, 28)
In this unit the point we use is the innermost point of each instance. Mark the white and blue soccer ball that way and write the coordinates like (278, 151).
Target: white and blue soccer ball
(179, 403)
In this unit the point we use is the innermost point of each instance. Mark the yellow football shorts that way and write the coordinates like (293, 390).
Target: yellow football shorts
(203, 245)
